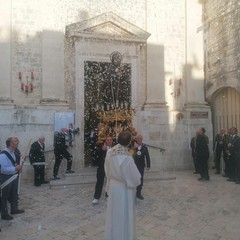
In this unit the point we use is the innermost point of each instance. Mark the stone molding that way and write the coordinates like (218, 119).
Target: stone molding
(108, 25)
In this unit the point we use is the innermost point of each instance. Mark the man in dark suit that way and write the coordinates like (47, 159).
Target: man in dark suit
(37, 159)
(141, 159)
(234, 155)
(202, 155)
(193, 147)
(218, 148)
(100, 169)
(60, 152)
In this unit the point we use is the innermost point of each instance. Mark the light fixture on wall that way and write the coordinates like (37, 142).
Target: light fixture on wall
(179, 116)
(26, 85)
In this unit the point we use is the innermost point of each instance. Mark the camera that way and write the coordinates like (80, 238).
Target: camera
(74, 131)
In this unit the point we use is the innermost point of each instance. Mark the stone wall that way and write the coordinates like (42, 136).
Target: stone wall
(222, 44)
(32, 39)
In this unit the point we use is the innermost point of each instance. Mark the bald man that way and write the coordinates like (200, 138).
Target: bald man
(9, 173)
(37, 159)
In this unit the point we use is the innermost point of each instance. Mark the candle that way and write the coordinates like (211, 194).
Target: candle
(121, 104)
(20, 75)
(32, 75)
(30, 86)
(22, 86)
(26, 88)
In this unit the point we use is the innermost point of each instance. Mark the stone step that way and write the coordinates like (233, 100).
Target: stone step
(88, 176)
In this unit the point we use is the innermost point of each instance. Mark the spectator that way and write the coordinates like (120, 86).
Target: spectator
(37, 159)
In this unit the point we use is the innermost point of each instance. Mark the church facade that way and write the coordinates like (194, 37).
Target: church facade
(53, 55)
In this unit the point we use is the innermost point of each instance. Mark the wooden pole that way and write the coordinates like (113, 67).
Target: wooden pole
(22, 162)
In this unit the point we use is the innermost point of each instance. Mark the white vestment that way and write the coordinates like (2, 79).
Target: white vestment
(122, 179)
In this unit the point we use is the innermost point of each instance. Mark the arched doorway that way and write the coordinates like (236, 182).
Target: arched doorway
(226, 109)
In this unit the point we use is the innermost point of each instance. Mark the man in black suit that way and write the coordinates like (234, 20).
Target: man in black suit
(141, 159)
(202, 155)
(100, 169)
(60, 152)
(234, 155)
(37, 159)
(218, 148)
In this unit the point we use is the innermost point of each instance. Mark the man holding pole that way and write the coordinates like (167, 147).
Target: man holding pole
(9, 178)
(37, 159)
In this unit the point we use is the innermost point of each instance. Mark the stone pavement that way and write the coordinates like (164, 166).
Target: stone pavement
(180, 209)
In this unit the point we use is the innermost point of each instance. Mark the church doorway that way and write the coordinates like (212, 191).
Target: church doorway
(226, 109)
(107, 100)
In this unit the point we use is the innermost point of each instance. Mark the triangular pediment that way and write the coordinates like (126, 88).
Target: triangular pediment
(107, 25)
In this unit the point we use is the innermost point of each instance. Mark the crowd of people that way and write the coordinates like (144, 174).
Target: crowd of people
(11, 165)
(122, 163)
(226, 146)
(140, 154)
(124, 173)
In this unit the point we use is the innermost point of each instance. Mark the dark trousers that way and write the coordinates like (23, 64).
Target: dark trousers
(231, 167)
(58, 159)
(237, 169)
(39, 171)
(203, 167)
(100, 182)
(218, 155)
(9, 193)
(226, 159)
(141, 170)
(195, 164)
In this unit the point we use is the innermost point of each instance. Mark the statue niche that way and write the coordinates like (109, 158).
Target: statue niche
(108, 97)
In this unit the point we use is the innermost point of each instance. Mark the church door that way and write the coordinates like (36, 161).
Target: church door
(226, 109)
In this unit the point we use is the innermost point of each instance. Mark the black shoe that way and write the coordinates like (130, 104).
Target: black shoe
(139, 196)
(69, 171)
(18, 211)
(230, 180)
(37, 184)
(195, 172)
(213, 167)
(55, 178)
(44, 182)
(217, 172)
(225, 175)
(201, 179)
(7, 217)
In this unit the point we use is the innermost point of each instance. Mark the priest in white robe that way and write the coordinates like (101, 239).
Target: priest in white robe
(122, 179)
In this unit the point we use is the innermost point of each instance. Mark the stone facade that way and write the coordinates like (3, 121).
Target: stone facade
(221, 50)
(222, 45)
(159, 38)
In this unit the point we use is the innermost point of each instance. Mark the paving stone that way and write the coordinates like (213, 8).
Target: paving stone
(179, 209)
